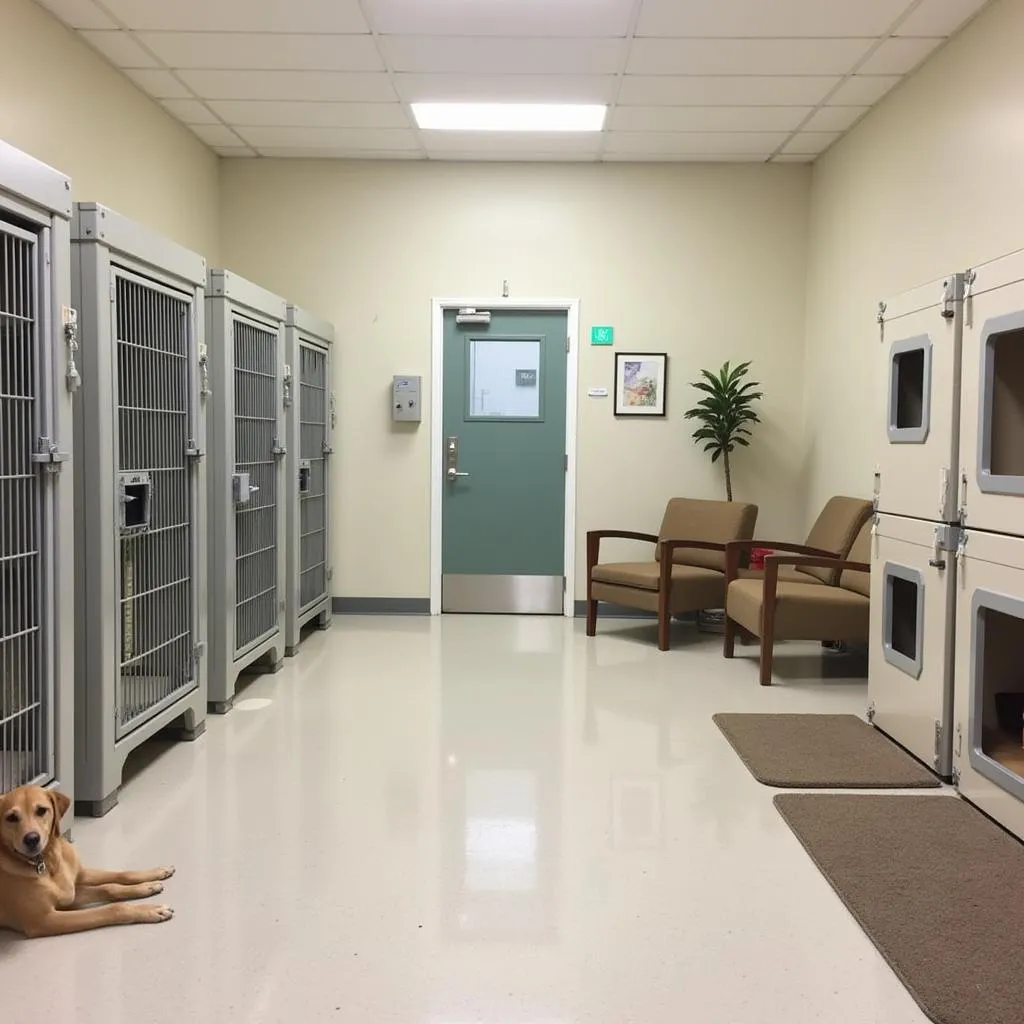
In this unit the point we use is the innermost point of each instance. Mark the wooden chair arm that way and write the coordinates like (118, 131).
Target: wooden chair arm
(594, 538)
(735, 547)
(819, 563)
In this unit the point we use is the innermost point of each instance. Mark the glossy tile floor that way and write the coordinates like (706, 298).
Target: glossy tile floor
(473, 821)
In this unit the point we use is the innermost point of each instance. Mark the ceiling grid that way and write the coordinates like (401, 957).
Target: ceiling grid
(683, 80)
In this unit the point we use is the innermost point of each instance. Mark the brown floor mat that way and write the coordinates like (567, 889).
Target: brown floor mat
(821, 752)
(937, 888)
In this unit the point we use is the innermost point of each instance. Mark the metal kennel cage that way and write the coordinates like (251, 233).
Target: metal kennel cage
(141, 509)
(38, 377)
(245, 327)
(309, 404)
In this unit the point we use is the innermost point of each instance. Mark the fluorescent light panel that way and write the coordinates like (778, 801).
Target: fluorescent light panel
(510, 117)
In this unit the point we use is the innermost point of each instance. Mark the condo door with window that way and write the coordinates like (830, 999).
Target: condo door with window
(504, 463)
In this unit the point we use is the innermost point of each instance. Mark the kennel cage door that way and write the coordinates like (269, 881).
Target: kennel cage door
(257, 451)
(916, 422)
(26, 692)
(314, 389)
(153, 396)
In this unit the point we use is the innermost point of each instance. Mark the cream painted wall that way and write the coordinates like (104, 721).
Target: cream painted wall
(930, 182)
(704, 262)
(63, 104)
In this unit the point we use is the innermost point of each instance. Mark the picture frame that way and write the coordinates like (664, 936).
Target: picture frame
(641, 383)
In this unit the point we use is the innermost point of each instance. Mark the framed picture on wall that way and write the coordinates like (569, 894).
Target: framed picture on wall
(641, 379)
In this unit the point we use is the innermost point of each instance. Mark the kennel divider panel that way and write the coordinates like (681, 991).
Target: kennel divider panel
(36, 486)
(920, 334)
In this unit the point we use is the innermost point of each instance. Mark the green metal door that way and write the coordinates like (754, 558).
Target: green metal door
(503, 546)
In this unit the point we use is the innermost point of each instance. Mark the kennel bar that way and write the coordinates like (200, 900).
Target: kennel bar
(917, 428)
(988, 741)
(38, 379)
(246, 330)
(141, 480)
(913, 613)
(310, 413)
(992, 482)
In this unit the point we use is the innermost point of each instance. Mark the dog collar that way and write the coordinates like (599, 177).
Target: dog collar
(40, 865)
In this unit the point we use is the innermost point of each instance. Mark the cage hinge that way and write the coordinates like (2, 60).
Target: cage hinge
(871, 712)
(956, 777)
(286, 387)
(969, 279)
(49, 455)
(881, 322)
(204, 371)
(962, 510)
(958, 748)
(330, 573)
(938, 742)
(961, 548)
(334, 415)
(192, 450)
(72, 378)
(278, 448)
(952, 293)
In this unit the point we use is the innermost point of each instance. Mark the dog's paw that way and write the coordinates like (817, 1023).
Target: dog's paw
(156, 913)
(154, 888)
(165, 873)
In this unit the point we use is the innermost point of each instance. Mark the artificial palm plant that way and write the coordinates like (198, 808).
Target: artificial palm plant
(725, 414)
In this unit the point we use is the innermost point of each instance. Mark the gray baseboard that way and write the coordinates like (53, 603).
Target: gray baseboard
(380, 605)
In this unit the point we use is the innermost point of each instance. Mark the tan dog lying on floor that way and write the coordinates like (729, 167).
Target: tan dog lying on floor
(44, 890)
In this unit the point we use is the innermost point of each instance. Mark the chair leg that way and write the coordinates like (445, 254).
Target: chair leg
(664, 621)
(729, 640)
(591, 617)
(767, 655)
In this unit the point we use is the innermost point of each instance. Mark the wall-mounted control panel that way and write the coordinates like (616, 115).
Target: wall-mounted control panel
(406, 401)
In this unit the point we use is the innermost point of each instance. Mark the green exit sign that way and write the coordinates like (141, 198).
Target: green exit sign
(602, 335)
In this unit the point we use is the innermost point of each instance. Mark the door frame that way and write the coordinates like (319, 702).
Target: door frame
(571, 307)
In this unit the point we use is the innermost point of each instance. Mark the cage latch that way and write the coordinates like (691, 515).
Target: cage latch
(192, 450)
(72, 378)
(287, 386)
(278, 448)
(326, 448)
(204, 371)
(49, 455)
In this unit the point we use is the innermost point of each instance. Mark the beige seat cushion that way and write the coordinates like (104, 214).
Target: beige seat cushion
(714, 522)
(835, 530)
(859, 582)
(803, 611)
(635, 584)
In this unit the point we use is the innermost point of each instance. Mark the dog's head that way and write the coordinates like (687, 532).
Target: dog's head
(29, 819)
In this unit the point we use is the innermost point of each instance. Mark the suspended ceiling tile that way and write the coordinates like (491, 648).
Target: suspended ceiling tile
(459, 88)
(216, 135)
(714, 90)
(767, 18)
(161, 85)
(378, 139)
(287, 153)
(745, 56)
(502, 142)
(79, 13)
(688, 158)
(708, 119)
(338, 86)
(482, 55)
(696, 143)
(120, 49)
(190, 111)
(261, 113)
(229, 15)
(811, 143)
(898, 56)
(835, 119)
(264, 52)
(594, 18)
(794, 158)
(234, 152)
(864, 90)
(514, 156)
(939, 17)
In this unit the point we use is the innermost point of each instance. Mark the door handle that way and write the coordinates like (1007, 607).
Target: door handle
(453, 474)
